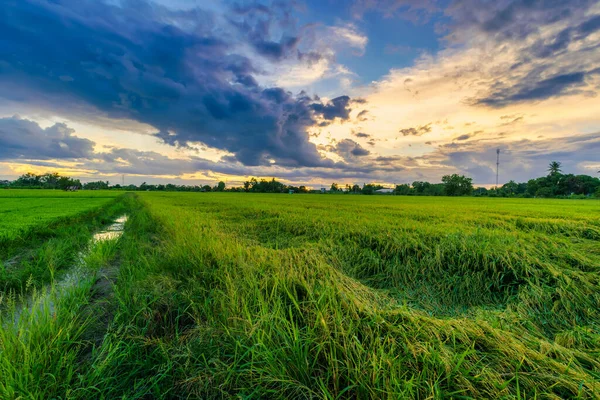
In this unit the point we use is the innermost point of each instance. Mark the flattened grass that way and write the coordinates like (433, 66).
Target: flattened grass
(272, 296)
(276, 296)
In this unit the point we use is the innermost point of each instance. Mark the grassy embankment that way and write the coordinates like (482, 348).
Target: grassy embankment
(45, 335)
(41, 232)
(273, 296)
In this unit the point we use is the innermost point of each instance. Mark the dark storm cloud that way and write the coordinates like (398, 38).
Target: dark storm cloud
(21, 139)
(590, 26)
(348, 149)
(276, 50)
(336, 108)
(514, 19)
(529, 28)
(256, 22)
(177, 71)
(361, 134)
(360, 151)
(24, 141)
(540, 90)
(416, 131)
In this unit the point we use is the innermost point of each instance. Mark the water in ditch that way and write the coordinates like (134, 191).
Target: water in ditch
(71, 278)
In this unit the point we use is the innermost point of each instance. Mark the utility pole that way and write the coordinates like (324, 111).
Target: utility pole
(123, 180)
(497, 166)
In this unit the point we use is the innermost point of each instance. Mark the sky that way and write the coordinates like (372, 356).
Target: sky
(308, 91)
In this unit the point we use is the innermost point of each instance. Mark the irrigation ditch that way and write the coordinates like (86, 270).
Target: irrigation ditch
(85, 270)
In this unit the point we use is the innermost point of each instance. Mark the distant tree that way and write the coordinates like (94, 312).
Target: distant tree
(247, 186)
(28, 180)
(402, 189)
(480, 191)
(99, 185)
(544, 192)
(50, 180)
(510, 188)
(420, 187)
(355, 189)
(370, 188)
(334, 187)
(302, 189)
(206, 188)
(66, 183)
(554, 168)
(221, 186)
(457, 185)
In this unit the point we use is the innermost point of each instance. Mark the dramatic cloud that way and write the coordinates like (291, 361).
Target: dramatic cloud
(552, 45)
(24, 139)
(178, 71)
(336, 108)
(270, 88)
(540, 90)
(349, 150)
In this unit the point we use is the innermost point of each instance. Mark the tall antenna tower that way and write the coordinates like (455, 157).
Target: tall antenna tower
(497, 165)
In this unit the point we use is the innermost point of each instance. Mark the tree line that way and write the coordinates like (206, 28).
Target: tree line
(555, 184)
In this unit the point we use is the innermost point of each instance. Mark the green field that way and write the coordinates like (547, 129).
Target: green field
(223, 295)
(42, 231)
(22, 210)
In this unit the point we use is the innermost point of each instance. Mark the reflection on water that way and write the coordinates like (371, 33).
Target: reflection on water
(73, 276)
(113, 231)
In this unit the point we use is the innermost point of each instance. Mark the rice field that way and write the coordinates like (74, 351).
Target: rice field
(235, 295)
(42, 231)
(23, 210)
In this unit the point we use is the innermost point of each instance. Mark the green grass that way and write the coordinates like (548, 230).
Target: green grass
(308, 296)
(42, 231)
(22, 210)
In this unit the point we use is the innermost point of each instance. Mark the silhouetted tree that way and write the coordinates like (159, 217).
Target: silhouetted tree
(554, 168)
(402, 189)
(457, 185)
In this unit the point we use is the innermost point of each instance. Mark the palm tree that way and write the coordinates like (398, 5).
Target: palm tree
(554, 168)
